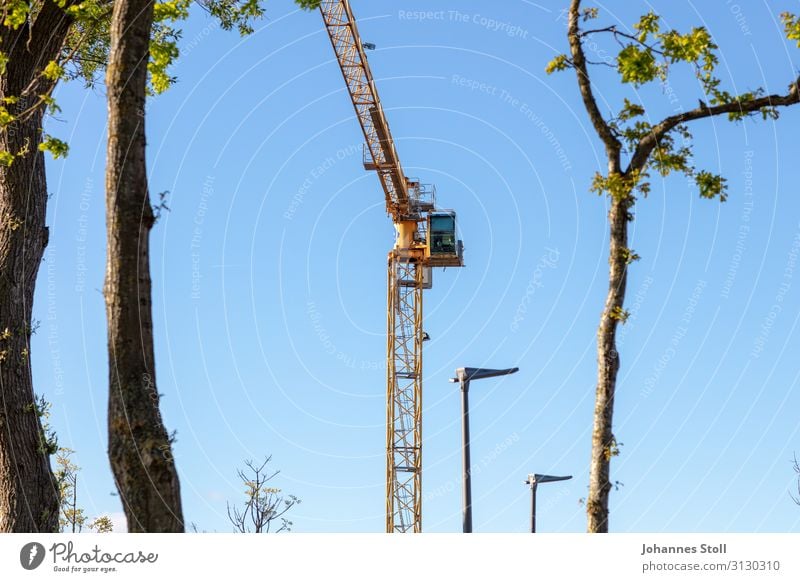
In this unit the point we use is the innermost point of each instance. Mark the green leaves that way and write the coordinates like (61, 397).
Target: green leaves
(737, 115)
(238, 14)
(5, 117)
(612, 448)
(15, 13)
(231, 14)
(6, 159)
(48, 442)
(692, 47)
(88, 40)
(791, 25)
(618, 186)
(630, 134)
(666, 158)
(164, 42)
(71, 518)
(308, 4)
(53, 71)
(634, 133)
(87, 11)
(622, 316)
(50, 103)
(559, 63)
(630, 110)
(637, 62)
(665, 147)
(724, 98)
(101, 524)
(636, 65)
(163, 52)
(647, 25)
(171, 10)
(711, 185)
(56, 147)
(629, 255)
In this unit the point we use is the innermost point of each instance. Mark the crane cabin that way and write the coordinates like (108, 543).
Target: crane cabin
(442, 248)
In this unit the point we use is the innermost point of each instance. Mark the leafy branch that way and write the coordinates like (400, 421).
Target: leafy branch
(655, 145)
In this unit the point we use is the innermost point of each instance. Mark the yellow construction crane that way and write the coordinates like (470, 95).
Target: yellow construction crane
(426, 238)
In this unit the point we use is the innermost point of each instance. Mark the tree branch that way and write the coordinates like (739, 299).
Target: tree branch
(604, 63)
(611, 28)
(650, 141)
(264, 505)
(617, 33)
(612, 145)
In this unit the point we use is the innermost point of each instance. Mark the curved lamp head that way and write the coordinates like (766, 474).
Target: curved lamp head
(536, 478)
(467, 374)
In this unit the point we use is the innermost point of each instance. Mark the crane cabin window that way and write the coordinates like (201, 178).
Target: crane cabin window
(442, 233)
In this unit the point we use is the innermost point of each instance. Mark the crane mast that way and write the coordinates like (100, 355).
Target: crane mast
(425, 238)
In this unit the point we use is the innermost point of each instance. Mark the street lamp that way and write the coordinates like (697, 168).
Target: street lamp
(533, 480)
(463, 377)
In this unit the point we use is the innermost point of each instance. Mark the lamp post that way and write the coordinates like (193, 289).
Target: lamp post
(463, 377)
(533, 480)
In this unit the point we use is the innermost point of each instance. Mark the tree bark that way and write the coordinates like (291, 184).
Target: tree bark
(607, 355)
(603, 442)
(28, 492)
(140, 449)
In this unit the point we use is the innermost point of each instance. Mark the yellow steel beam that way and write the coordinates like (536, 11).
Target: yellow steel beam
(346, 42)
(404, 394)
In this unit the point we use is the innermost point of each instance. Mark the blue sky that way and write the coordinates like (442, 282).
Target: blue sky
(269, 275)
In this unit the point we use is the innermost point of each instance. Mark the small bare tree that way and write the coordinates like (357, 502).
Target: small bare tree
(71, 518)
(264, 506)
(797, 470)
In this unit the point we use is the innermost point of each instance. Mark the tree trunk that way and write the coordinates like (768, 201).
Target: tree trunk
(603, 442)
(28, 492)
(140, 449)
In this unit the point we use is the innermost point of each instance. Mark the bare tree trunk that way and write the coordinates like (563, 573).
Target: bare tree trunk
(28, 492)
(603, 442)
(139, 447)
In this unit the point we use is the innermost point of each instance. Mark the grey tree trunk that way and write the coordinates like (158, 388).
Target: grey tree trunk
(603, 442)
(28, 493)
(140, 449)
(607, 355)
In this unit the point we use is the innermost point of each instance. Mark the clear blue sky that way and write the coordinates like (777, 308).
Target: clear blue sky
(269, 275)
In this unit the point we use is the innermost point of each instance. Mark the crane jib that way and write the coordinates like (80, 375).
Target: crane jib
(347, 46)
(392, 164)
